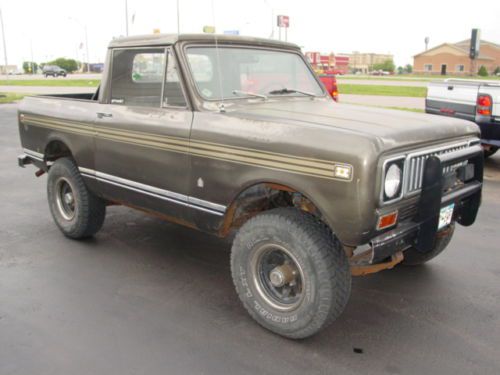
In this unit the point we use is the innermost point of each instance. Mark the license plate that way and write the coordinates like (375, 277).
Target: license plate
(445, 215)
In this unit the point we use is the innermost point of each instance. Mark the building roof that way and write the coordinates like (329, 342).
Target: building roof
(169, 39)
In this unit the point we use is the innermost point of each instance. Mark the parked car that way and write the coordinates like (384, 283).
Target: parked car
(237, 135)
(53, 71)
(474, 100)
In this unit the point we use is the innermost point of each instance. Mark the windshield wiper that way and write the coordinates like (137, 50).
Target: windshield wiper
(247, 93)
(285, 91)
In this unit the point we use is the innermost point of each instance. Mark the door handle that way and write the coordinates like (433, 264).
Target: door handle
(103, 114)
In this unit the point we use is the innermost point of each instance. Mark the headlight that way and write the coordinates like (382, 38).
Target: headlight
(392, 182)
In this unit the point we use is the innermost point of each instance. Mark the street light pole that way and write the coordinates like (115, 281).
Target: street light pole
(4, 45)
(87, 49)
(126, 17)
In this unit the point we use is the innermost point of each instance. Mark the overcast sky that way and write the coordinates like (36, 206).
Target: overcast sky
(55, 28)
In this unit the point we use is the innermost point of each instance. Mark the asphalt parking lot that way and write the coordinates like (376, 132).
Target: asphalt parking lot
(150, 297)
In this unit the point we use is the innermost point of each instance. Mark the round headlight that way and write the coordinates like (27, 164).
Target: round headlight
(392, 181)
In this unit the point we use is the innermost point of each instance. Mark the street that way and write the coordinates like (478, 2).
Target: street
(148, 297)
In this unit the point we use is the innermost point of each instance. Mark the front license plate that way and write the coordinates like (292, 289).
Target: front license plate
(445, 215)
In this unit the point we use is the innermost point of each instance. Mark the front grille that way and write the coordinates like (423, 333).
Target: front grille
(407, 212)
(415, 166)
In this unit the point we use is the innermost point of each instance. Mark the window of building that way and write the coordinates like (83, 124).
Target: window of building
(460, 68)
(428, 67)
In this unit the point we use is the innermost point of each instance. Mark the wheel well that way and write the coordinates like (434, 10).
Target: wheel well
(56, 149)
(264, 197)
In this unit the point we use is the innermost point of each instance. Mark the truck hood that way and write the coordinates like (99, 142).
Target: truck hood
(389, 128)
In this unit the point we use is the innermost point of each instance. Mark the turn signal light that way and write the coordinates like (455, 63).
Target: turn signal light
(484, 103)
(388, 220)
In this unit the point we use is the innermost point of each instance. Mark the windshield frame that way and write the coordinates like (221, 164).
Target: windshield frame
(253, 47)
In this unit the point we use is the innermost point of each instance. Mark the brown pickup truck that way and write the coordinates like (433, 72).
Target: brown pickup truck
(234, 135)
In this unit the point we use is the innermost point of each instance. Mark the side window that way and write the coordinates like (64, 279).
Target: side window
(172, 92)
(137, 77)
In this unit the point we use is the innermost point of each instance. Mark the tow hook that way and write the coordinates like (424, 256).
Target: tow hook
(39, 172)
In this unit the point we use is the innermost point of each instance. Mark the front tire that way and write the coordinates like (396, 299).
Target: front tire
(412, 257)
(290, 272)
(76, 211)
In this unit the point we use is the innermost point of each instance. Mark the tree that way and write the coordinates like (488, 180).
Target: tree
(70, 65)
(30, 67)
(497, 71)
(409, 68)
(400, 70)
(386, 66)
(482, 71)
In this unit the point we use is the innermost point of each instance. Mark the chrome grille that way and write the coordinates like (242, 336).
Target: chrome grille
(415, 165)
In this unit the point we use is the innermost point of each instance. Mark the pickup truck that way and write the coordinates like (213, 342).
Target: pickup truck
(473, 100)
(236, 136)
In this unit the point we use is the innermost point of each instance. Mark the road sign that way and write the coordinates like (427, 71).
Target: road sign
(209, 29)
(283, 21)
(475, 43)
(232, 32)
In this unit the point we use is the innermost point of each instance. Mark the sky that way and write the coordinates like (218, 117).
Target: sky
(56, 28)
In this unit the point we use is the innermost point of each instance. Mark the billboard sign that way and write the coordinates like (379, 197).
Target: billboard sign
(284, 21)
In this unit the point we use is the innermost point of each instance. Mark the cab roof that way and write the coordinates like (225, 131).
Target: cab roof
(169, 39)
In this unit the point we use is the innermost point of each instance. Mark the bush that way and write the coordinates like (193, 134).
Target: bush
(409, 68)
(30, 67)
(482, 71)
(70, 65)
(386, 66)
(497, 71)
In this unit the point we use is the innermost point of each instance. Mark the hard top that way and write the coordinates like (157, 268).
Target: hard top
(169, 39)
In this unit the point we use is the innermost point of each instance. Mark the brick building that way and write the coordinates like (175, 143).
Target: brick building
(363, 62)
(329, 62)
(454, 59)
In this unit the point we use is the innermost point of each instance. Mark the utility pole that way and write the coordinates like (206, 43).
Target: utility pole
(178, 19)
(87, 48)
(126, 17)
(4, 45)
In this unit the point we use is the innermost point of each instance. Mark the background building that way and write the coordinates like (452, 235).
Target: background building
(363, 62)
(337, 64)
(454, 59)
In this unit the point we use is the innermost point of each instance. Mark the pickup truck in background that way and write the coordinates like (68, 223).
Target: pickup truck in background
(330, 81)
(237, 135)
(474, 100)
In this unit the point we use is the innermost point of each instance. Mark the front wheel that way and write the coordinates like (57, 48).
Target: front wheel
(77, 211)
(413, 257)
(290, 272)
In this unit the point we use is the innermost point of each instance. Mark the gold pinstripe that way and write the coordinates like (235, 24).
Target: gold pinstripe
(240, 155)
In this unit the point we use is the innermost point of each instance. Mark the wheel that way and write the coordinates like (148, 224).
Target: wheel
(412, 257)
(290, 272)
(489, 152)
(77, 212)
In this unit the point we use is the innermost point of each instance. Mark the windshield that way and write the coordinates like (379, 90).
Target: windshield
(250, 72)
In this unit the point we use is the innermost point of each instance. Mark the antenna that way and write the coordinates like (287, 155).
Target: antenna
(222, 108)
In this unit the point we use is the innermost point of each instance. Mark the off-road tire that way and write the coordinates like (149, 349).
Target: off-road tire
(490, 152)
(412, 257)
(89, 211)
(322, 260)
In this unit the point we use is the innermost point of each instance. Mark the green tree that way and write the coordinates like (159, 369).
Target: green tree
(409, 68)
(497, 71)
(400, 70)
(386, 66)
(482, 71)
(70, 65)
(30, 67)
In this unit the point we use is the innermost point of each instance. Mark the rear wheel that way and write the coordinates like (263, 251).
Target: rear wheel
(412, 257)
(290, 272)
(77, 212)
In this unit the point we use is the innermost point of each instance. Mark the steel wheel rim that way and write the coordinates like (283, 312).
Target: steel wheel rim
(65, 199)
(270, 264)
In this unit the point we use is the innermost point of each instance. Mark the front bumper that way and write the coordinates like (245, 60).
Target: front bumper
(420, 232)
